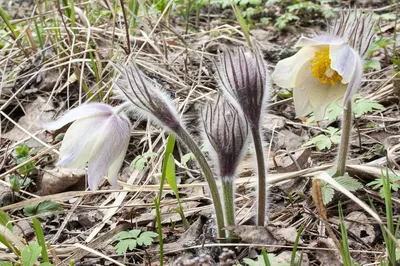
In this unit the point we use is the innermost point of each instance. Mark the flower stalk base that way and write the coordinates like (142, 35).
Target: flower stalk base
(345, 139)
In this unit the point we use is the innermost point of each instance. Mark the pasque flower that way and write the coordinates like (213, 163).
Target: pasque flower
(227, 131)
(99, 135)
(328, 67)
(245, 79)
(146, 96)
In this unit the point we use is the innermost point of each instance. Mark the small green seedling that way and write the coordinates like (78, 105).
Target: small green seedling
(130, 240)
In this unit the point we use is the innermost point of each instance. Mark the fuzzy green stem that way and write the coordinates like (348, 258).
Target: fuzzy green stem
(194, 148)
(227, 190)
(261, 208)
(345, 139)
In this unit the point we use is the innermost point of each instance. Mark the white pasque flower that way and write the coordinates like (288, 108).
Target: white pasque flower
(100, 136)
(328, 67)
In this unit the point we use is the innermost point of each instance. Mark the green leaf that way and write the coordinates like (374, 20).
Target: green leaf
(388, 16)
(349, 182)
(327, 192)
(321, 142)
(124, 245)
(30, 254)
(127, 234)
(334, 111)
(46, 206)
(45, 264)
(372, 64)
(363, 106)
(186, 158)
(5, 263)
(129, 240)
(15, 183)
(171, 175)
(141, 161)
(22, 151)
(255, 2)
(5, 220)
(146, 238)
(383, 42)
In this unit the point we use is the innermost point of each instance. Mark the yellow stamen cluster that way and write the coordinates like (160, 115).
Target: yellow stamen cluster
(321, 67)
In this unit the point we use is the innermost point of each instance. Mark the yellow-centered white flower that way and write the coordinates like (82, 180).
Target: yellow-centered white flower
(100, 136)
(327, 68)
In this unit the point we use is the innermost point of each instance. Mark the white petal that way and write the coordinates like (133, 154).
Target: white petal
(324, 95)
(83, 111)
(286, 70)
(343, 60)
(79, 140)
(306, 84)
(114, 168)
(355, 81)
(110, 142)
(319, 40)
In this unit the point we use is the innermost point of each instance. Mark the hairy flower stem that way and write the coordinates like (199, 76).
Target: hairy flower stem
(345, 139)
(194, 148)
(261, 209)
(227, 190)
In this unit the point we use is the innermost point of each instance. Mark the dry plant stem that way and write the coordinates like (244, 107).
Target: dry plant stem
(345, 139)
(187, 139)
(261, 208)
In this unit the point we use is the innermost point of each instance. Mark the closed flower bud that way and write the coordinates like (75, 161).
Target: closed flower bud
(148, 99)
(245, 78)
(227, 131)
(99, 135)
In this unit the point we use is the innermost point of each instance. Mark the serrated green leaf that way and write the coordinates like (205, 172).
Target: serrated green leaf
(46, 206)
(363, 106)
(22, 151)
(334, 111)
(146, 238)
(349, 182)
(30, 254)
(124, 245)
(327, 192)
(149, 234)
(372, 64)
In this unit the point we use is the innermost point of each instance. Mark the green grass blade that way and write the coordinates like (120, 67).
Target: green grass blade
(242, 23)
(265, 257)
(169, 148)
(40, 239)
(4, 15)
(344, 243)
(295, 245)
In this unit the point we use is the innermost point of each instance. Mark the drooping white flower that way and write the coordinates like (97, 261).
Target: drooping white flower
(328, 67)
(100, 136)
